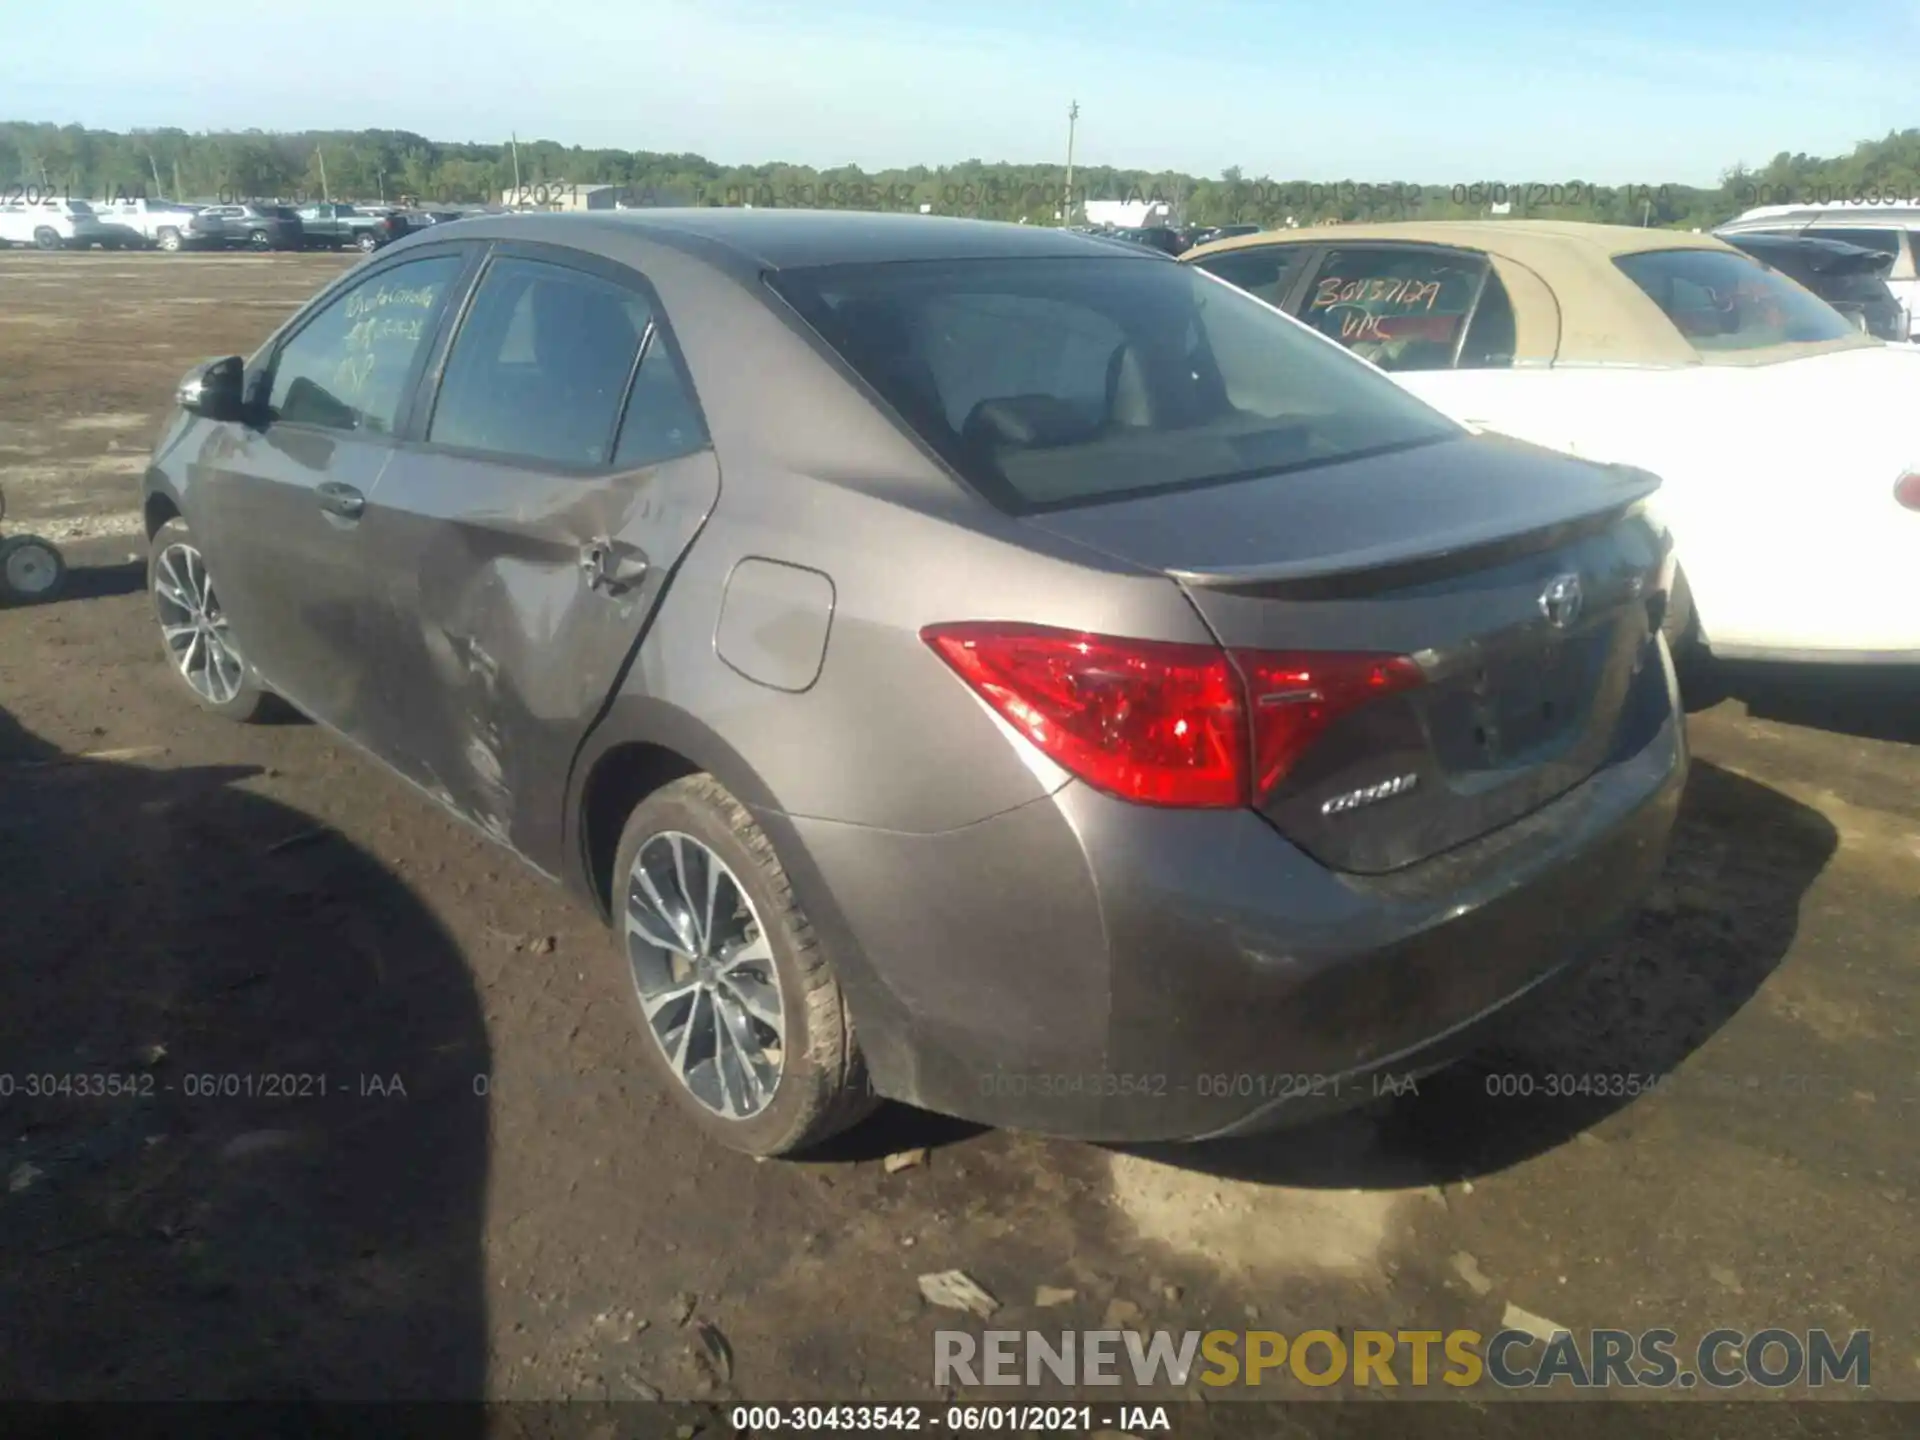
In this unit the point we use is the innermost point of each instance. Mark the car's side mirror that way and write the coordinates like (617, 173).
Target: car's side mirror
(215, 390)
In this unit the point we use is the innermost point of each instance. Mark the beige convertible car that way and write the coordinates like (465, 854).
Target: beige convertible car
(1785, 435)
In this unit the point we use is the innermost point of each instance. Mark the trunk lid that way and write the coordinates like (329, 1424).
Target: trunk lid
(1523, 584)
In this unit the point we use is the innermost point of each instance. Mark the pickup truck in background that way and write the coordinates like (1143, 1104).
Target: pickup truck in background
(164, 224)
(336, 226)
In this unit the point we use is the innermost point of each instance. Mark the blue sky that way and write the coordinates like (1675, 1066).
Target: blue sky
(1617, 91)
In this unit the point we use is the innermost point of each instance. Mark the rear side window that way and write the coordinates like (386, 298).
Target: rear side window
(1060, 381)
(1724, 302)
(1403, 309)
(661, 421)
(1885, 241)
(1490, 333)
(541, 365)
(1265, 272)
(349, 366)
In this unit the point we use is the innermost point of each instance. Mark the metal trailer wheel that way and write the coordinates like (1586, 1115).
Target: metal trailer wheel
(31, 569)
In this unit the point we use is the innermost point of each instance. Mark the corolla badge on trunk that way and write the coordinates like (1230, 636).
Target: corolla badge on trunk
(1369, 794)
(1560, 602)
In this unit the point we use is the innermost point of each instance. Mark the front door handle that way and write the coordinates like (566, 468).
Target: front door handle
(612, 564)
(341, 500)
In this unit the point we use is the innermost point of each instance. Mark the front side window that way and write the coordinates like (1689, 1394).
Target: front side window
(349, 366)
(1403, 309)
(1053, 382)
(1264, 271)
(1725, 303)
(540, 366)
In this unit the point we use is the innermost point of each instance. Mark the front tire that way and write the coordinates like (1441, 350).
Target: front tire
(32, 571)
(46, 238)
(193, 629)
(169, 240)
(366, 242)
(743, 1016)
(260, 240)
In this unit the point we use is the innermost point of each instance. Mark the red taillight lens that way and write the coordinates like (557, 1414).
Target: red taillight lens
(1150, 721)
(1160, 723)
(1295, 697)
(1907, 490)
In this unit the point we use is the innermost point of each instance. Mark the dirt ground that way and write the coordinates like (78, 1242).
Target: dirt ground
(202, 925)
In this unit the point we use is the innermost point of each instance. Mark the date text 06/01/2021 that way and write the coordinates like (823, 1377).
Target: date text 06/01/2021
(953, 1419)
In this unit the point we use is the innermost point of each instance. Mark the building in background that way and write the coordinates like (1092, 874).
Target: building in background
(1129, 214)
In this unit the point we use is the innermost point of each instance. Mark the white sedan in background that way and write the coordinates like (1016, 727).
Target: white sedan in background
(1788, 441)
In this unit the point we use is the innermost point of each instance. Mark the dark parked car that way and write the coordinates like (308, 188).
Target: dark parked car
(1154, 237)
(254, 226)
(1850, 278)
(1212, 233)
(333, 226)
(1091, 702)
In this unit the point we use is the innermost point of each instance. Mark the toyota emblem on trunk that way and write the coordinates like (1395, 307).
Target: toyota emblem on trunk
(1560, 601)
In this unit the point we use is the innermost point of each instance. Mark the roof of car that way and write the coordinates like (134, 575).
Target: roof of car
(1571, 303)
(779, 239)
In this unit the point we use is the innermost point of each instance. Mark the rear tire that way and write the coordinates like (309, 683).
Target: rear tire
(32, 570)
(761, 959)
(169, 240)
(260, 240)
(203, 658)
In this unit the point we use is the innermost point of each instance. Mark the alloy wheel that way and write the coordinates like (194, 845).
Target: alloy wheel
(194, 626)
(704, 971)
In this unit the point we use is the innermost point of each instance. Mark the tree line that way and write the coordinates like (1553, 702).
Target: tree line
(395, 165)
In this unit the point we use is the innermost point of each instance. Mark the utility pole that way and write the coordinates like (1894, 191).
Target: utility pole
(1066, 206)
(326, 191)
(515, 141)
(154, 166)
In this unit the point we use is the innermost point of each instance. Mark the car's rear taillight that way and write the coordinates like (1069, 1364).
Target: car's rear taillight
(1163, 723)
(1907, 490)
(1151, 721)
(1294, 698)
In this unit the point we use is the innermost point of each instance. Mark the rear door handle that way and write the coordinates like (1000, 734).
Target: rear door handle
(612, 565)
(341, 500)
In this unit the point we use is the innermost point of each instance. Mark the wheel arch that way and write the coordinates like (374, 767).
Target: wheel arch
(642, 744)
(158, 508)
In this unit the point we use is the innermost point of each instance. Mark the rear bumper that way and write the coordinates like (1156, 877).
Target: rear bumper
(1085, 967)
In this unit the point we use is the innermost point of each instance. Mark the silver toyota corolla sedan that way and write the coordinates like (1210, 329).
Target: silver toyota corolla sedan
(984, 666)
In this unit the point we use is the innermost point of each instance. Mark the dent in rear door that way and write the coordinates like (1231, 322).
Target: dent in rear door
(524, 585)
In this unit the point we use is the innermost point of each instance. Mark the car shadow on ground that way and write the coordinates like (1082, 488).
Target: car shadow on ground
(1868, 702)
(244, 1156)
(1718, 923)
(102, 581)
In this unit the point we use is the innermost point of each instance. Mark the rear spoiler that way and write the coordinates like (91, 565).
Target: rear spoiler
(1416, 559)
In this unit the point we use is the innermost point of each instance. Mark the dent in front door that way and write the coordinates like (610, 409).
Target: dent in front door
(512, 646)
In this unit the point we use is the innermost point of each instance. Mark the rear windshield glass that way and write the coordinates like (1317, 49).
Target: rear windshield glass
(1725, 303)
(1060, 381)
